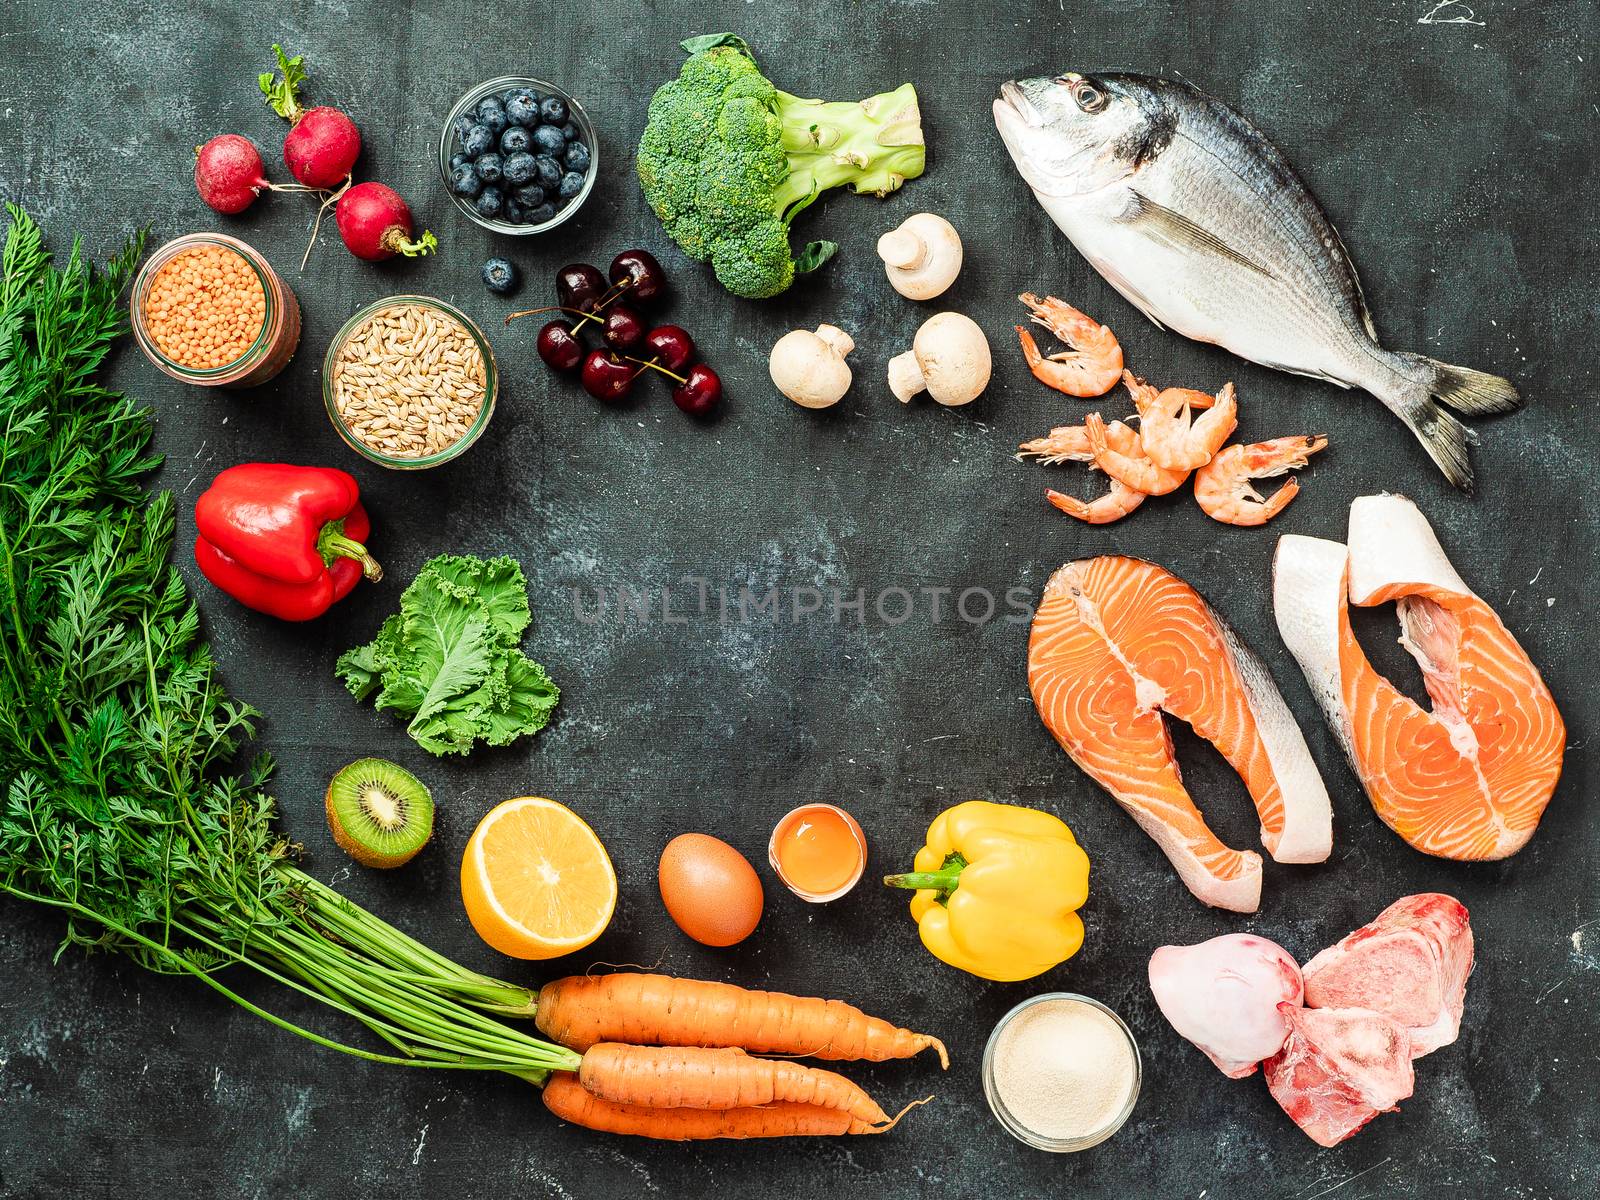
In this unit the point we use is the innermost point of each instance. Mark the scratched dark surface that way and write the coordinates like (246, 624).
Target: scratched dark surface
(1456, 156)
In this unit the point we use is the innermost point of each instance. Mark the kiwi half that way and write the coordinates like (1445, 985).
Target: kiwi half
(380, 813)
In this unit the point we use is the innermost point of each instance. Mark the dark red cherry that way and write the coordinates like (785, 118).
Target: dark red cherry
(623, 329)
(646, 281)
(580, 286)
(559, 346)
(607, 377)
(671, 346)
(700, 392)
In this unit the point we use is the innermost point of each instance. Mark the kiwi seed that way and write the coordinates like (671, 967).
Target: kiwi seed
(381, 815)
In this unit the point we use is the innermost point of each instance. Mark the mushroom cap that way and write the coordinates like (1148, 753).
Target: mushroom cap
(922, 256)
(810, 369)
(954, 356)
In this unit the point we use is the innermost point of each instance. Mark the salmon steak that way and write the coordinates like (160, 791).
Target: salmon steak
(1116, 643)
(1468, 779)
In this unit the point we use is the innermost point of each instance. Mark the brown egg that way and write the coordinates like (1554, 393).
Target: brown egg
(710, 889)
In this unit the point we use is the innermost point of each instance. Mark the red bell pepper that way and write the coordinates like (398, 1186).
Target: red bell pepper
(284, 540)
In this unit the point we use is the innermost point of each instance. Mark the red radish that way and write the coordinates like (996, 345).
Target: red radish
(323, 143)
(376, 224)
(229, 174)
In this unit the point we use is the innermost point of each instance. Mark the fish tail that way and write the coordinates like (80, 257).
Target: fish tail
(1476, 393)
(1443, 436)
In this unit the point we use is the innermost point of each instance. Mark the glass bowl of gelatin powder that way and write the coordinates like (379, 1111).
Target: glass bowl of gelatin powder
(1061, 1072)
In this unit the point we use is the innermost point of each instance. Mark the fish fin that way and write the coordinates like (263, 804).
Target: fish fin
(1180, 230)
(1444, 437)
(1357, 294)
(1476, 393)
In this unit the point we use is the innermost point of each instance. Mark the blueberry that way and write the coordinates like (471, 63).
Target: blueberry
(548, 138)
(571, 132)
(461, 124)
(529, 196)
(578, 157)
(477, 140)
(500, 276)
(519, 169)
(457, 159)
(464, 181)
(512, 94)
(541, 214)
(522, 108)
(489, 168)
(515, 140)
(571, 185)
(492, 113)
(549, 173)
(489, 202)
(553, 110)
(513, 212)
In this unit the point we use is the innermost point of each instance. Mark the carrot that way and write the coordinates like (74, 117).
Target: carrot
(569, 1100)
(647, 1009)
(691, 1077)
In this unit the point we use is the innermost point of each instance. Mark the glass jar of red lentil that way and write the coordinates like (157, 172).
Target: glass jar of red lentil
(209, 309)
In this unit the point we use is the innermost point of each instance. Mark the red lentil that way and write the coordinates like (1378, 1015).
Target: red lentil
(205, 308)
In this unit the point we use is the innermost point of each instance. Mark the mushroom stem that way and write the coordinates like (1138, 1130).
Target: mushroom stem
(902, 249)
(905, 376)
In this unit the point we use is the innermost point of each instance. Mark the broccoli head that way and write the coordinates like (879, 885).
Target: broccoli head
(727, 161)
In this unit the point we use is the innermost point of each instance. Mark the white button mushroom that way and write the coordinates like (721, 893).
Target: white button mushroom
(922, 257)
(949, 358)
(809, 368)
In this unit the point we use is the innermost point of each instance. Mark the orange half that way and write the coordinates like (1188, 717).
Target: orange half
(536, 881)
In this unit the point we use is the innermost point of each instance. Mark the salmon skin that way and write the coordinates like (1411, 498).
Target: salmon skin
(1468, 779)
(1118, 641)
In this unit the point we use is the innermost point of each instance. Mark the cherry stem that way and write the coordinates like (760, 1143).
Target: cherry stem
(533, 312)
(653, 364)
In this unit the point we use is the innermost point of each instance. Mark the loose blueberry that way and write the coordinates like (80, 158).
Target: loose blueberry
(571, 132)
(492, 114)
(522, 109)
(500, 276)
(541, 214)
(519, 169)
(464, 181)
(549, 173)
(529, 196)
(479, 139)
(577, 157)
(571, 185)
(489, 167)
(515, 140)
(553, 110)
(489, 202)
(549, 140)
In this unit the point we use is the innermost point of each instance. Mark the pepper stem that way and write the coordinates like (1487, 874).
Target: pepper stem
(332, 544)
(944, 881)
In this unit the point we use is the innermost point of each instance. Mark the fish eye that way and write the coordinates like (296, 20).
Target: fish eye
(1086, 96)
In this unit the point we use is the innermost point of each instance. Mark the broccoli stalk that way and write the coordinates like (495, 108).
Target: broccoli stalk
(727, 161)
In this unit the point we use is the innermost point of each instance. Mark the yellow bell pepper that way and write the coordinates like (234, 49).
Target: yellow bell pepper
(998, 889)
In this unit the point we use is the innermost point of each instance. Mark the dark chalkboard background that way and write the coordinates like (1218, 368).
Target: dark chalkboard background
(1456, 156)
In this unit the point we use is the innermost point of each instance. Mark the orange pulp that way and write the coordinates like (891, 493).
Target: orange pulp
(817, 850)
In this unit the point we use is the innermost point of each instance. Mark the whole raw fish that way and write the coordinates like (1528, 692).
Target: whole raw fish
(1193, 215)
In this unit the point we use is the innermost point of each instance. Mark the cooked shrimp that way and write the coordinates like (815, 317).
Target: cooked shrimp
(1172, 441)
(1135, 469)
(1064, 443)
(1094, 363)
(1222, 487)
(1121, 499)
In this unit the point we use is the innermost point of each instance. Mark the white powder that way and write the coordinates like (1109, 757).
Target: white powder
(1063, 1069)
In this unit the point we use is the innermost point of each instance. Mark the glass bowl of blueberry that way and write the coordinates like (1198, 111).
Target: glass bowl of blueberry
(518, 155)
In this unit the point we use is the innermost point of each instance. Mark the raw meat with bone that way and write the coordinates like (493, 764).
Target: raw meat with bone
(1224, 996)
(1411, 963)
(1340, 1068)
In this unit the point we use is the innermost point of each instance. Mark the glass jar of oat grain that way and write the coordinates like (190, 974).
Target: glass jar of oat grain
(409, 382)
(209, 310)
